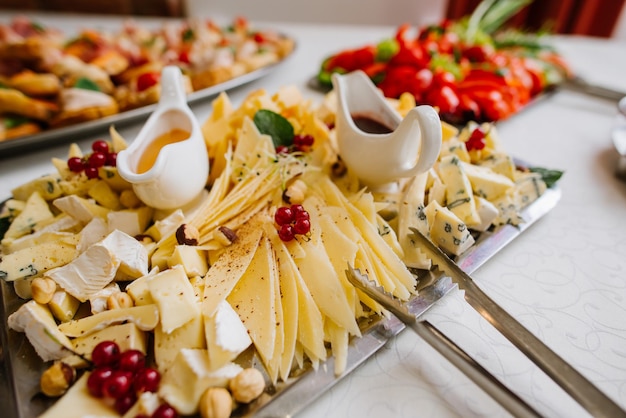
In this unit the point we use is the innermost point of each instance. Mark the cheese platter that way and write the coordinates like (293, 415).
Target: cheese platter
(247, 226)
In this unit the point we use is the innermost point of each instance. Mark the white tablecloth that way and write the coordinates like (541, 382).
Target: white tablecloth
(564, 278)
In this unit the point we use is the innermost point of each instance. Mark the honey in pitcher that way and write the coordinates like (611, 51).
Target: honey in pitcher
(150, 154)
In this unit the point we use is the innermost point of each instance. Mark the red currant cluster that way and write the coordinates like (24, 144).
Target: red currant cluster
(476, 140)
(90, 164)
(121, 376)
(301, 143)
(292, 220)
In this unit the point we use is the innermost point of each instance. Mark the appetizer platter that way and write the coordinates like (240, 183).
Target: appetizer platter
(222, 306)
(471, 69)
(56, 86)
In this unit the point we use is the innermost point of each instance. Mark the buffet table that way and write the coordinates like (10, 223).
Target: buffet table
(564, 278)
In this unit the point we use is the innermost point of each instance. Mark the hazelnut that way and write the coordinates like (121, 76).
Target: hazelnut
(225, 236)
(338, 169)
(216, 403)
(42, 289)
(187, 235)
(119, 300)
(295, 192)
(248, 385)
(57, 379)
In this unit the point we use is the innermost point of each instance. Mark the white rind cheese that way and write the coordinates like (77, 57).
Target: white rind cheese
(37, 323)
(226, 336)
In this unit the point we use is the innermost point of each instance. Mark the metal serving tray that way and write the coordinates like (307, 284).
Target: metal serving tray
(21, 368)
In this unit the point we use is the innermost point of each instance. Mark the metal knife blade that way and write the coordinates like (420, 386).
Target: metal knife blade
(446, 347)
(574, 383)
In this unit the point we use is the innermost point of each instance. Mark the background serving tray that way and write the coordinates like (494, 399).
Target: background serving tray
(66, 134)
(20, 367)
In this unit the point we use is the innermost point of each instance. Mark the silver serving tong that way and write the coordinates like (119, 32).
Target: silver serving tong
(446, 347)
(574, 383)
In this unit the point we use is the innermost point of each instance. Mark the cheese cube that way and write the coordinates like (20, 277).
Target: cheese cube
(184, 383)
(166, 226)
(449, 233)
(486, 182)
(175, 298)
(500, 163)
(80, 208)
(102, 193)
(459, 195)
(167, 346)
(63, 305)
(131, 221)
(191, 258)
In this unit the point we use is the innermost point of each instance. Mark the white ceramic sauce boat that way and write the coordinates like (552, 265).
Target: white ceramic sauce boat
(379, 160)
(180, 171)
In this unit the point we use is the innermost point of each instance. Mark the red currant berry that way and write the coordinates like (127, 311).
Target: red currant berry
(296, 209)
(147, 380)
(304, 215)
(97, 159)
(302, 226)
(476, 140)
(285, 233)
(117, 385)
(112, 159)
(96, 379)
(75, 164)
(131, 361)
(100, 146)
(165, 411)
(303, 140)
(106, 353)
(124, 403)
(92, 172)
(281, 149)
(283, 215)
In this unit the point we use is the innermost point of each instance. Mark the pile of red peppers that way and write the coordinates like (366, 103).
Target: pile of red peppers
(481, 80)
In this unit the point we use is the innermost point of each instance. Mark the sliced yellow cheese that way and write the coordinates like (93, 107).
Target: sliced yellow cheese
(35, 261)
(35, 211)
(79, 403)
(47, 186)
(254, 301)
(102, 193)
(144, 317)
(227, 270)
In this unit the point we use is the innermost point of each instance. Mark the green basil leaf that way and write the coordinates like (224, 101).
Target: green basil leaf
(188, 35)
(86, 84)
(549, 176)
(272, 124)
